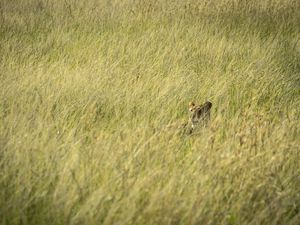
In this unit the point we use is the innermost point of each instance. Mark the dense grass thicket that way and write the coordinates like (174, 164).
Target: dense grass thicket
(92, 93)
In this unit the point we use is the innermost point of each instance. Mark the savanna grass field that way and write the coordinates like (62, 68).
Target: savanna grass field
(93, 94)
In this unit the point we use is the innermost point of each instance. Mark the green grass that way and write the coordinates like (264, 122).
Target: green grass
(92, 93)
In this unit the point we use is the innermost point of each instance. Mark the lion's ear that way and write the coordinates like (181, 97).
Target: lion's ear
(209, 104)
(191, 104)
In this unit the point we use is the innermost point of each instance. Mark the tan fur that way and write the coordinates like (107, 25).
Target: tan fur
(199, 114)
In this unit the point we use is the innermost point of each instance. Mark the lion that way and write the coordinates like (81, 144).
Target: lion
(199, 114)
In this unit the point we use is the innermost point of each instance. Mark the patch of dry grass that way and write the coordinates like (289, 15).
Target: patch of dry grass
(91, 94)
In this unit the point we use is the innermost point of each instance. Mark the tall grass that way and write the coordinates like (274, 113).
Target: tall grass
(92, 92)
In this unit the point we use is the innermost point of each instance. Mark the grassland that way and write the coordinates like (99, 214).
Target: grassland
(91, 94)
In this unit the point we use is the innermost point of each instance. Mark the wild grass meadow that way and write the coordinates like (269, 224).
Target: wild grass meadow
(92, 92)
